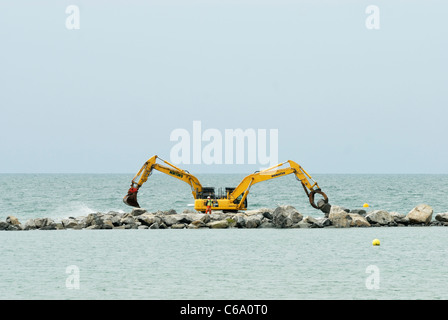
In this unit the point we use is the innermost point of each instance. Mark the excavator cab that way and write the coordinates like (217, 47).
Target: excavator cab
(207, 192)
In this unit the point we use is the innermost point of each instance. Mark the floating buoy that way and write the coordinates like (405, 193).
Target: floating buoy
(376, 242)
(365, 205)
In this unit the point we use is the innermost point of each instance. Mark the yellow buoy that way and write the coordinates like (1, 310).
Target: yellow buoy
(376, 242)
(365, 205)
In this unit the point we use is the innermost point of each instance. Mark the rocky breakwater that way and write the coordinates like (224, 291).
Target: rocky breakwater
(280, 217)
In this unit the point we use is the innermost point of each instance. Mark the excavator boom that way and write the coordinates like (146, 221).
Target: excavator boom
(311, 188)
(146, 170)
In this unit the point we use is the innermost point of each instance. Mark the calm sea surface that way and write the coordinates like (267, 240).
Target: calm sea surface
(411, 263)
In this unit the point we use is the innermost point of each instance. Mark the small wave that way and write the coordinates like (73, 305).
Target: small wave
(72, 210)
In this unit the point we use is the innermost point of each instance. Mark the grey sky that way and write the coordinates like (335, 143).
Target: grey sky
(106, 97)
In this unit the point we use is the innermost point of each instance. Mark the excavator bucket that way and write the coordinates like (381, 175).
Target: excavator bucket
(131, 198)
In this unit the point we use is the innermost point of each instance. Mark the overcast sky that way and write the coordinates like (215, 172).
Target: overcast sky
(106, 97)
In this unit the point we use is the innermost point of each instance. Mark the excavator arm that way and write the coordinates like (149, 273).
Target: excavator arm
(311, 188)
(146, 170)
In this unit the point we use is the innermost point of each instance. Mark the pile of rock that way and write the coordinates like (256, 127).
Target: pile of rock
(421, 215)
(280, 217)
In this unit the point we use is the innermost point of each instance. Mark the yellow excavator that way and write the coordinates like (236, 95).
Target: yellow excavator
(230, 199)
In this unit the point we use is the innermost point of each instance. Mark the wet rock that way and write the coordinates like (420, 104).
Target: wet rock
(155, 225)
(205, 218)
(14, 227)
(30, 225)
(168, 212)
(138, 211)
(40, 222)
(280, 217)
(178, 226)
(361, 212)
(324, 222)
(147, 219)
(302, 224)
(324, 207)
(266, 223)
(170, 219)
(240, 221)
(421, 214)
(3, 225)
(107, 224)
(93, 219)
(128, 219)
(12, 220)
(231, 222)
(196, 224)
(338, 209)
(285, 216)
(49, 225)
(313, 222)
(253, 221)
(69, 223)
(400, 219)
(220, 224)
(442, 217)
(266, 212)
(380, 217)
(116, 220)
(340, 219)
(358, 220)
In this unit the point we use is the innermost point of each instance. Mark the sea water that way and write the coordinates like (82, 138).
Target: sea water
(410, 263)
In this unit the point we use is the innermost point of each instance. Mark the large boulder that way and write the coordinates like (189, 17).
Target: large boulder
(171, 219)
(421, 214)
(358, 220)
(336, 209)
(253, 221)
(442, 217)
(399, 218)
(3, 225)
(219, 224)
(267, 213)
(40, 222)
(12, 220)
(30, 225)
(69, 223)
(127, 220)
(49, 224)
(380, 217)
(340, 219)
(147, 219)
(324, 207)
(286, 216)
(138, 211)
(240, 220)
(313, 222)
(93, 220)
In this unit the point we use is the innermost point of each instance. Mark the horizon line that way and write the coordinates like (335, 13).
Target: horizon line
(133, 174)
